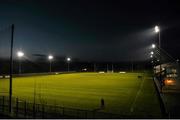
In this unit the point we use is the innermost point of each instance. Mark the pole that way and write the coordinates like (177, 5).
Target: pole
(19, 65)
(112, 68)
(68, 66)
(94, 67)
(11, 69)
(50, 66)
(132, 66)
(34, 98)
(107, 67)
(161, 81)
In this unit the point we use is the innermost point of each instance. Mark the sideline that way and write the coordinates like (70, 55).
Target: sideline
(137, 94)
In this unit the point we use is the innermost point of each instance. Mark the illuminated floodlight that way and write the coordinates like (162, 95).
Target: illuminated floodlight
(68, 59)
(153, 46)
(151, 56)
(20, 54)
(50, 57)
(157, 29)
(152, 52)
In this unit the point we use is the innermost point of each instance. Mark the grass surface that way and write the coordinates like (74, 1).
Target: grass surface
(124, 94)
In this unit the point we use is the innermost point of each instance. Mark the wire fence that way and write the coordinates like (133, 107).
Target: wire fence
(24, 109)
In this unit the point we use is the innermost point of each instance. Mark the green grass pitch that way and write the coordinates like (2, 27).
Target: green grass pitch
(124, 94)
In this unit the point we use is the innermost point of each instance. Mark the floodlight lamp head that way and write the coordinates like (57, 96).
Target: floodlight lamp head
(68, 59)
(50, 57)
(153, 46)
(20, 54)
(152, 52)
(156, 29)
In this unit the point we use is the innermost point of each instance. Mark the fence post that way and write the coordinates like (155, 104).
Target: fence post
(42, 110)
(62, 111)
(3, 104)
(55, 112)
(25, 112)
(93, 114)
(17, 107)
(37, 108)
(34, 111)
(86, 114)
(77, 113)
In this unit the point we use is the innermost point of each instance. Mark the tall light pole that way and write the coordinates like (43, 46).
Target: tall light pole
(20, 54)
(50, 57)
(157, 30)
(68, 60)
(11, 69)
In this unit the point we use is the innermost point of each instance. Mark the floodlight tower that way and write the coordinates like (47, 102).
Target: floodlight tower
(157, 30)
(68, 61)
(50, 57)
(153, 46)
(20, 54)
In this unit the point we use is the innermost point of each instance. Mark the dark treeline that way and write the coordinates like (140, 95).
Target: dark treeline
(42, 65)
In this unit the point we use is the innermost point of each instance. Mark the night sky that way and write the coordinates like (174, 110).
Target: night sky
(91, 30)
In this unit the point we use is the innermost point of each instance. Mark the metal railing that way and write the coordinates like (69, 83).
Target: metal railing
(24, 109)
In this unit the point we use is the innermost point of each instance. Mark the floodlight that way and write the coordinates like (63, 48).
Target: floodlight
(50, 57)
(68, 59)
(157, 29)
(152, 52)
(153, 46)
(20, 54)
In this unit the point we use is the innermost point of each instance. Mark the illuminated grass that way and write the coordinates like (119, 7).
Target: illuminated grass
(121, 92)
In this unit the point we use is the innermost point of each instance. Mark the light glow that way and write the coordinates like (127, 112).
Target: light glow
(68, 59)
(152, 53)
(50, 57)
(20, 54)
(153, 46)
(169, 82)
(157, 29)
